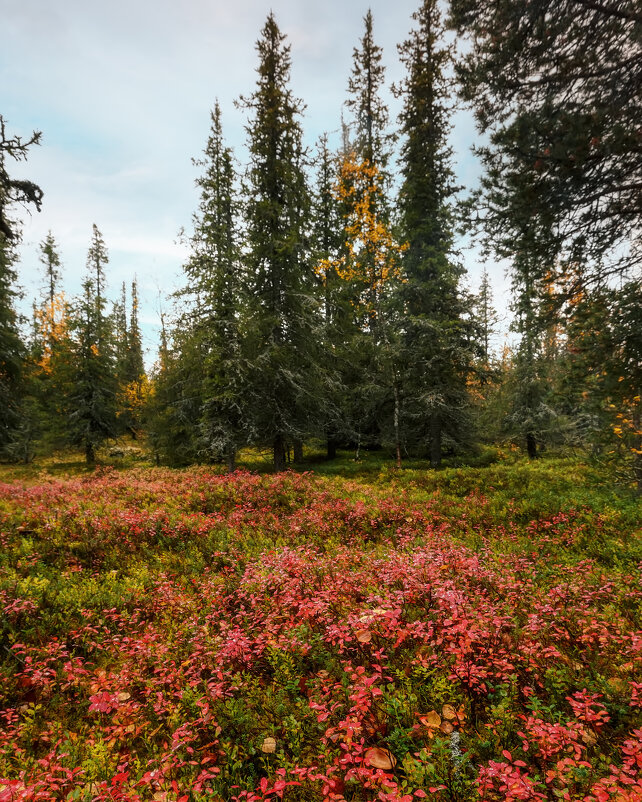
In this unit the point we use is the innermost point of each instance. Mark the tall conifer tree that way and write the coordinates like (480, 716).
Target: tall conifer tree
(215, 273)
(50, 259)
(12, 350)
(368, 263)
(436, 347)
(92, 403)
(50, 355)
(370, 112)
(284, 378)
(329, 249)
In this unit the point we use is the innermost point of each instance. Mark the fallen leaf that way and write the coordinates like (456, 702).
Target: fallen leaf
(123, 696)
(364, 636)
(432, 719)
(380, 758)
(448, 712)
(589, 738)
(446, 727)
(268, 746)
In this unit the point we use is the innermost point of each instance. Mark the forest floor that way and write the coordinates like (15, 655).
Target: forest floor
(350, 632)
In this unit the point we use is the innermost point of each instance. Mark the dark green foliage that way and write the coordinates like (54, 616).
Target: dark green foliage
(92, 402)
(556, 87)
(486, 318)
(12, 353)
(216, 280)
(135, 363)
(175, 405)
(14, 190)
(97, 258)
(530, 414)
(328, 248)
(50, 258)
(436, 355)
(283, 381)
(364, 100)
(50, 354)
(601, 377)
(15, 422)
(130, 367)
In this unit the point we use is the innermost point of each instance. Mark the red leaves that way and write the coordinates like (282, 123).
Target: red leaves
(345, 636)
(103, 702)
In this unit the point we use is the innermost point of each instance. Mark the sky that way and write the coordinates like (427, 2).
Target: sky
(122, 92)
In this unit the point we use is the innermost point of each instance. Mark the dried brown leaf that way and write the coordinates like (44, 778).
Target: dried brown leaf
(432, 719)
(380, 758)
(364, 636)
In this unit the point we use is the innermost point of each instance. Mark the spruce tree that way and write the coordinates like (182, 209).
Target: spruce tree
(130, 369)
(97, 259)
(50, 259)
(436, 351)
(215, 278)
(15, 190)
(50, 353)
(121, 344)
(135, 371)
(368, 265)
(92, 404)
(556, 89)
(12, 351)
(369, 111)
(284, 377)
(530, 413)
(329, 252)
(486, 318)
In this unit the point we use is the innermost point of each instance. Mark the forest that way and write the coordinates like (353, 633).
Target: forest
(337, 543)
(323, 304)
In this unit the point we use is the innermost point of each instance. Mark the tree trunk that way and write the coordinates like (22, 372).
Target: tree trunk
(279, 453)
(231, 460)
(90, 454)
(332, 448)
(396, 419)
(435, 442)
(531, 445)
(298, 451)
(637, 445)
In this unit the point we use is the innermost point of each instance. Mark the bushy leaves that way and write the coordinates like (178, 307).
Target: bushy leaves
(293, 637)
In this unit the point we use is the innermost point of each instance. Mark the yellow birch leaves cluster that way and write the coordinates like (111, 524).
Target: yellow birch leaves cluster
(53, 326)
(372, 254)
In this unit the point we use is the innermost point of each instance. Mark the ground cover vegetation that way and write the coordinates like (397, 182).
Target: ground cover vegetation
(187, 635)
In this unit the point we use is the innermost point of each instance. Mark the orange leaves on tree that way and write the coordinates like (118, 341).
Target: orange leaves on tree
(53, 326)
(372, 256)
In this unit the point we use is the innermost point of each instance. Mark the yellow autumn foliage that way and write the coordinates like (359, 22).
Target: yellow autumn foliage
(372, 253)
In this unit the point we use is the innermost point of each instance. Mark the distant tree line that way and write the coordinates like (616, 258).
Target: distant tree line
(324, 297)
